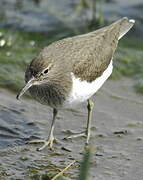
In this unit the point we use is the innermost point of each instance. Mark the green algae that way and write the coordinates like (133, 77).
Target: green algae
(14, 57)
(129, 62)
(135, 124)
(18, 50)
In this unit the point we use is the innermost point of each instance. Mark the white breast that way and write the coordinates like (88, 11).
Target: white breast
(83, 90)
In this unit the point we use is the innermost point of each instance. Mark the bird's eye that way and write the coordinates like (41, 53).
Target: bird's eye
(46, 71)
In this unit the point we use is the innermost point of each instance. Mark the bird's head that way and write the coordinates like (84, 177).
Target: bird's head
(36, 74)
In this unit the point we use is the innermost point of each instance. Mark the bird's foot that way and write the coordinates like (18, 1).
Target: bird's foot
(76, 135)
(47, 142)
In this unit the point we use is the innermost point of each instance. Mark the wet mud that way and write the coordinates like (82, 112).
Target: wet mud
(117, 134)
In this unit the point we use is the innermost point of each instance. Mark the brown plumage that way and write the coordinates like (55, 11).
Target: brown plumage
(51, 75)
(87, 56)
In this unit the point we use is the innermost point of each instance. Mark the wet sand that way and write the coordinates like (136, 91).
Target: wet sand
(117, 132)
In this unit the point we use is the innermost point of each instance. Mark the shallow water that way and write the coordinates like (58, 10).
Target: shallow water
(25, 28)
(46, 16)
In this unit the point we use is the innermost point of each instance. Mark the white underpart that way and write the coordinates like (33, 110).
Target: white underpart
(83, 90)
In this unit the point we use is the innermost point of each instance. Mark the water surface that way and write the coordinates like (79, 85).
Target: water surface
(25, 28)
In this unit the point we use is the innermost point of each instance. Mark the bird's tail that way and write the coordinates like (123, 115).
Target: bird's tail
(125, 25)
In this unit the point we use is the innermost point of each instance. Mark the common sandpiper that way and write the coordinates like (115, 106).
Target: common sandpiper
(70, 71)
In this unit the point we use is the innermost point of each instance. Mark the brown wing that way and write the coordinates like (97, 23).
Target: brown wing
(96, 52)
(88, 55)
(97, 49)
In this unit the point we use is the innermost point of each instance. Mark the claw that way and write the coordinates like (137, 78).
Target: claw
(49, 142)
(46, 143)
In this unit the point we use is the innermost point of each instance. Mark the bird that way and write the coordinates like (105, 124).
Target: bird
(70, 71)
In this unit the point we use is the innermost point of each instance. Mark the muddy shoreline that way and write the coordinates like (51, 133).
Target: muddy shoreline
(116, 132)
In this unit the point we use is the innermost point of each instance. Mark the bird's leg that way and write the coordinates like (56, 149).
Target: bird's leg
(49, 141)
(90, 106)
(86, 133)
